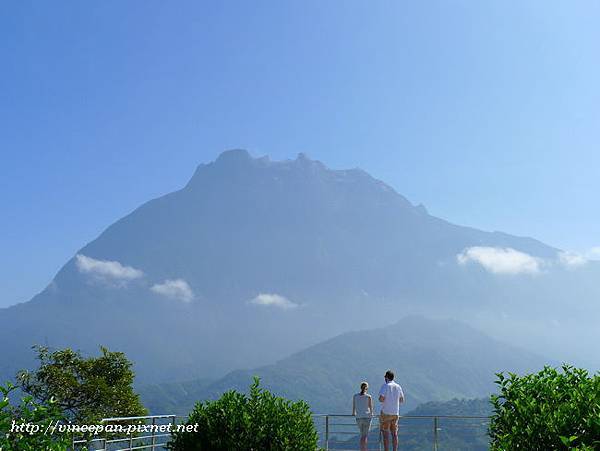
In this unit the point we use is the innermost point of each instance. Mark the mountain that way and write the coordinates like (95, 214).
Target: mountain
(173, 397)
(435, 360)
(254, 259)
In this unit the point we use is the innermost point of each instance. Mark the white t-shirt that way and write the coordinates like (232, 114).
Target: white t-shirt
(393, 397)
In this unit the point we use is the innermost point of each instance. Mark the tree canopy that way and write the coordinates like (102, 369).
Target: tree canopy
(86, 389)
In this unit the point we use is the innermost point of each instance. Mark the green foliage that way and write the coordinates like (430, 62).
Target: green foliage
(549, 410)
(85, 389)
(260, 421)
(37, 417)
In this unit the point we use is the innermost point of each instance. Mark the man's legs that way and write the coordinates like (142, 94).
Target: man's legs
(386, 440)
(394, 440)
(394, 431)
(384, 425)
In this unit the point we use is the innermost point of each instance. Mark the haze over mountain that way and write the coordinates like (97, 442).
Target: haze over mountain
(435, 360)
(255, 259)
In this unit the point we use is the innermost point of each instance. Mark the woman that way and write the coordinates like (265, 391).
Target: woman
(362, 409)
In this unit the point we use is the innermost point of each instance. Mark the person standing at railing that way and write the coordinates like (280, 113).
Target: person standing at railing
(362, 409)
(391, 396)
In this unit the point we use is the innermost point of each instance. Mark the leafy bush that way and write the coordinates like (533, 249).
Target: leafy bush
(37, 416)
(548, 410)
(258, 422)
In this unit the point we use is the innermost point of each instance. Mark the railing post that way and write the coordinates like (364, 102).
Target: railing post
(153, 433)
(326, 432)
(435, 433)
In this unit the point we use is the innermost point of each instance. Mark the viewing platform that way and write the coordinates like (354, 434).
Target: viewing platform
(336, 432)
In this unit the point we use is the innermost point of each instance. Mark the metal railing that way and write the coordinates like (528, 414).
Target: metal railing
(336, 432)
(155, 439)
(434, 432)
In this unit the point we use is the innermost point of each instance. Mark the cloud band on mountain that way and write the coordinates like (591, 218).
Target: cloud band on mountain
(176, 289)
(571, 260)
(498, 260)
(273, 300)
(107, 269)
(593, 253)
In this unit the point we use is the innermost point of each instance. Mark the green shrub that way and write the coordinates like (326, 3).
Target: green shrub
(34, 414)
(549, 410)
(258, 422)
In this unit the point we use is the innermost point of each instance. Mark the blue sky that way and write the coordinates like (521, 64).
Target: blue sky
(486, 112)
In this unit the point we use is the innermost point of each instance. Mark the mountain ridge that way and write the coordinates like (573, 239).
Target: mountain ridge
(252, 259)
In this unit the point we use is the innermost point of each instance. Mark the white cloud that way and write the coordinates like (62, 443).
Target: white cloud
(177, 289)
(593, 253)
(571, 260)
(273, 300)
(500, 260)
(106, 269)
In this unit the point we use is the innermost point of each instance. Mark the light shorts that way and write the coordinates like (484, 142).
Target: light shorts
(364, 424)
(388, 422)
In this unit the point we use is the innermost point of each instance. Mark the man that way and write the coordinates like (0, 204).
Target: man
(391, 396)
